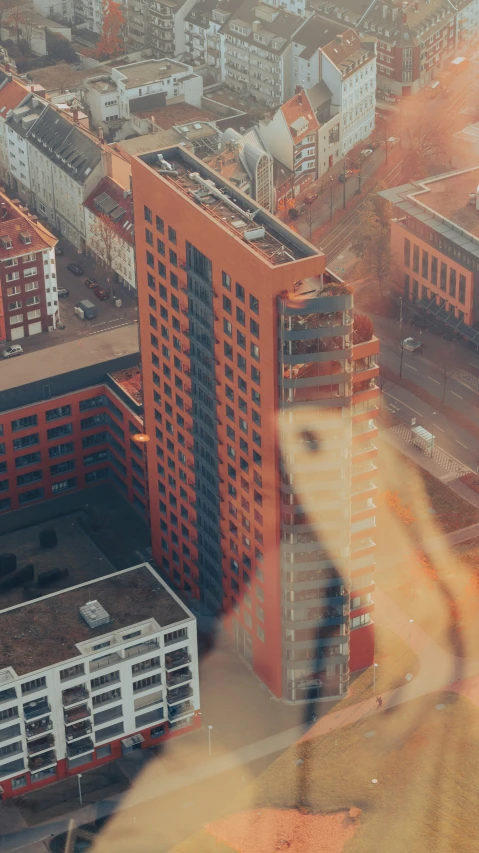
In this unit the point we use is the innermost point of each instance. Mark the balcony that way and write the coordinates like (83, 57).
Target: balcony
(48, 759)
(80, 748)
(179, 711)
(8, 695)
(74, 696)
(141, 649)
(77, 730)
(179, 677)
(106, 660)
(41, 745)
(179, 694)
(39, 728)
(36, 709)
(79, 713)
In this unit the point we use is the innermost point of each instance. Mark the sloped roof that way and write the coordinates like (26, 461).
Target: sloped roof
(121, 224)
(299, 115)
(15, 222)
(317, 32)
(74, 151)
(12, 94)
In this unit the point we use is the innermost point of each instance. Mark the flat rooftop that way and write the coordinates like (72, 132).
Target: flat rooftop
(174, 114)
(130, 382)
(442, 203)
(88, 351)
(263, 233)
(45, 632)
(150, 71)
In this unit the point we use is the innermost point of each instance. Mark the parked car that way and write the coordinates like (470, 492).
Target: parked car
(389, 98)
(101, 293)
(392, 141)
(343, 176)
(91, 283)
(76, 269)
(63, 292)
(366, 152)
(58, 251)
(411, 345)
(14, 349)
(374, 145)
(311, 198)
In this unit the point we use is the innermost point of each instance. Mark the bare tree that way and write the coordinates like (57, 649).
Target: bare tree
(424, 144)
(106, 243)
(330, 192)
(373, 242)
(63, 76)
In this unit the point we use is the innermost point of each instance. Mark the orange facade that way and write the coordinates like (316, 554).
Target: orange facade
(427, 271)
(69, 442)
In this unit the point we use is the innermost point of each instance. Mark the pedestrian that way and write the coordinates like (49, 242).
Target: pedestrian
(379, 702)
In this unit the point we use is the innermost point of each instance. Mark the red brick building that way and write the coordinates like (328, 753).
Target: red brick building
(28, 282)
(223, 289)
(73, 423)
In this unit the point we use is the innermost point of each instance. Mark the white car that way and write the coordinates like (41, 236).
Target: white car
(411, 345)
(392, 141)
(366, 152)
(15, 349)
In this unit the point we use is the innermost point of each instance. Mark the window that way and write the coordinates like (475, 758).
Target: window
(433, 270)
(226, 279)
(254, 303)
(254, 328)
(26, 441)
(407, 252)
(59, 412)
(24, 423)
(55, 432)
(171, 234)
(241, 316)
(35, 684)
(173, 258)
(462, 289)
(149, 236)
(227, 304)
(425, 264)
(452, 283)
(147, 214)
(443, 278)
(160, 225)
(63, 485)
(240, 292)
(150, 260)
(415, 258)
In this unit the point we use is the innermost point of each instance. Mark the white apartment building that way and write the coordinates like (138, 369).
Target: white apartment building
(12, 93)
(91, 672)
(348, 68)
(205, 36)
(138, 82)
(89, 13)
(258, 52)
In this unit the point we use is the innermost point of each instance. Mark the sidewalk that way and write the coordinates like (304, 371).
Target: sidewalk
(441, 465)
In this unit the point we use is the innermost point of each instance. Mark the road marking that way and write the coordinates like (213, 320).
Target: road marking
(460, 442)
(410, 366)
(438, 427)
(457, 395)
(434, 380)
(402, 404)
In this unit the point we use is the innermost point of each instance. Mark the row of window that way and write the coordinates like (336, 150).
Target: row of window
(429, 270)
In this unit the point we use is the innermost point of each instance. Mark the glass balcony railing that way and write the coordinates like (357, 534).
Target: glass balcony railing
(178, 677)
(80, 748)
(47, 759)
(77, 730)
(38, 728)
(36, 709)
(79, 713)
(74, 696)
(41, 745)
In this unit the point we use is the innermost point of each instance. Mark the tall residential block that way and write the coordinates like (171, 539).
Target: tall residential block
(242, 331)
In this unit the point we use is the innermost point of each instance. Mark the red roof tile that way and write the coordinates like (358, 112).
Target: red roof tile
(16, 222)
(116, 192)
(11, 95)
(297, 108)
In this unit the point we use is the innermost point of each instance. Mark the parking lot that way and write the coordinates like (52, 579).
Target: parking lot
(109, 316)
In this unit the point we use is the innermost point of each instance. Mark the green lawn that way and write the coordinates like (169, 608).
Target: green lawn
(426, 761)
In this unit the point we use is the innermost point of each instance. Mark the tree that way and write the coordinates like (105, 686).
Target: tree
(59, 49)
(20, 19)
(362, 328)
(384, 131)
(372, 243)
(329, 189)
(423, 144)
(106, 244)
(63, 76)
(6, 8)
(112, 40)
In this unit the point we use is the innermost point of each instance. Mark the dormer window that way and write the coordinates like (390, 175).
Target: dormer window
(6, 242)
(25, 237)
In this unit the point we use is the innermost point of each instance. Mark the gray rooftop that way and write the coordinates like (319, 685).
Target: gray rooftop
(66, 367)
(44, 632)
(150, 71)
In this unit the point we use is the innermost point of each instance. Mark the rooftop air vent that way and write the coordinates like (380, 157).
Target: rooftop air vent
(94, 614)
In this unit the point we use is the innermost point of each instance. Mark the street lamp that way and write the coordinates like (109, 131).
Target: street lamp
(400, 312)
(79, 788)
(375, 666)
(432, 435)
(210, 728)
